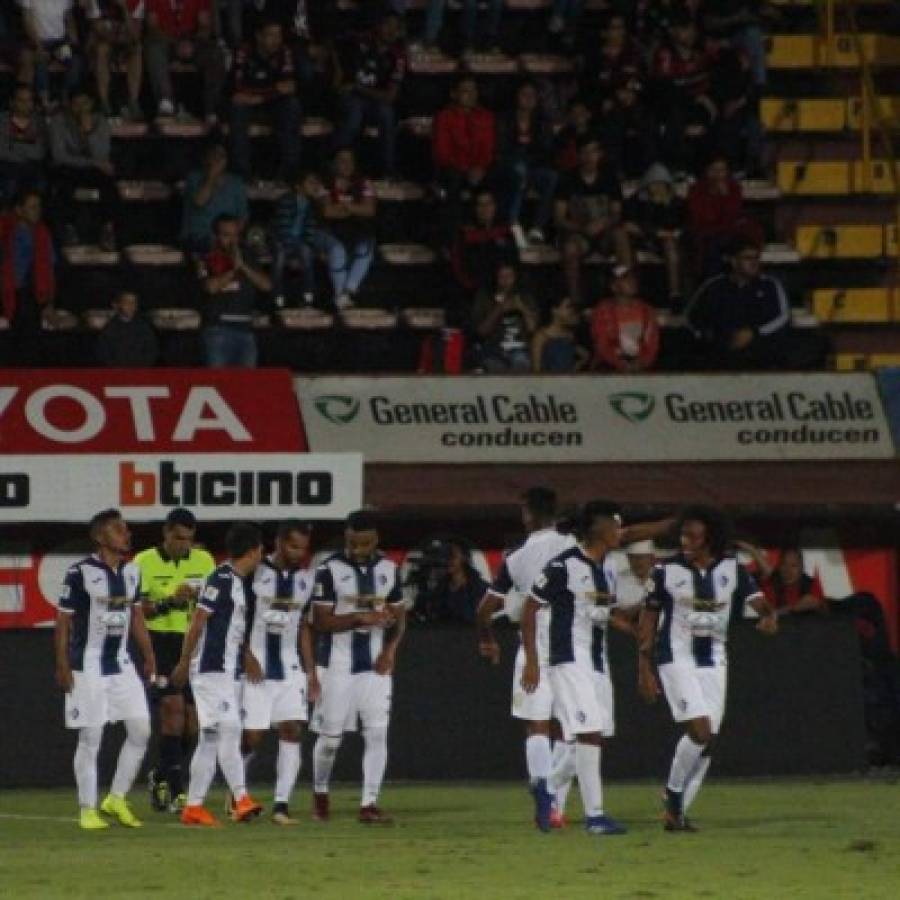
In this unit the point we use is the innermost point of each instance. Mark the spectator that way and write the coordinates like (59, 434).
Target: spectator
(554, 348)
(349, 208)
(630, 130)
(743, 318)
(115, 37)
(787, 588)
(128, 339)
(453, 587)
(525, 142)
(654, 218)
(624, 328)
(373, 69)
(588, 214)
(682, 69)
(504, 321)
(739, 22)
(182, 30)
(463, 146)
(716, 217)
(27, 270)
(482, 245)
(232, 285)
(473, 38)
(564, 15)
(51, 34)
(265, 82)
(23, 145)
(579, 124)
(297, 234)
(210, 192)
(80, 153)
(618, 60)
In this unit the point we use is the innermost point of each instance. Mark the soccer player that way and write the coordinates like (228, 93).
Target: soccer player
(358, 610)
(520, 570)
(279, 664)
(171, 577)
(211, 656)
(578, 589)
(684, 626)
(98, 612)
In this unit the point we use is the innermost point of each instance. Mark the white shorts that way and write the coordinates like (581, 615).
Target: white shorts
(97, 699)
(695, 692)
(217, 698)
(267, 704)
(536, 707)
(347, 698)
(583, 698)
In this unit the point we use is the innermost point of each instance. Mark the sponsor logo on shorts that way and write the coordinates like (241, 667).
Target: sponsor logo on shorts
(580, 717)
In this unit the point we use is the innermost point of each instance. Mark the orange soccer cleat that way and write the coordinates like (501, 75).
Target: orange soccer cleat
(245, 809)
(199, 815)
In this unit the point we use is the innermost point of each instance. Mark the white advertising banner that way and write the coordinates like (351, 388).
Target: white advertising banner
(216, 486)
(656, 418)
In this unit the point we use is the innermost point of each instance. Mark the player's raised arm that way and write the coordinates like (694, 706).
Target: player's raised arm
(647, 531)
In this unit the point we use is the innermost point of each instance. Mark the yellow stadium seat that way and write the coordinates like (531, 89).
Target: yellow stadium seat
(879, 50)
(884, 360)
(891, 241)
(850, 362)
(879, 179)
(803, 115)
(840, 241)
(814, 177)
(888, 107)
(793, 51)
(852, 304)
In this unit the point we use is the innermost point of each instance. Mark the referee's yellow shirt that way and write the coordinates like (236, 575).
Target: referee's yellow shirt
(160, 577)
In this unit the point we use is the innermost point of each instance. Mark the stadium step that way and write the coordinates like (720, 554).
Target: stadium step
(808, 51)
(836, 177)
(840, 241)
(865, 362)
(789, 114)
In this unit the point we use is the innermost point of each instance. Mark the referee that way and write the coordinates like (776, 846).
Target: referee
(171, 577)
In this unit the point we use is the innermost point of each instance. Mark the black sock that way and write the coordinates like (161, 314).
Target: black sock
(170, 762)
(280, 808)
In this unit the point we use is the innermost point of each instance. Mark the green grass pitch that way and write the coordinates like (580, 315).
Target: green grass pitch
(759, 839)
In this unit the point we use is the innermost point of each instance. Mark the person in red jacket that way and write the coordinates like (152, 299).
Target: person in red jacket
(716, 217)
(463, 146)
(27, 279)
(624, 328)
(482, 245)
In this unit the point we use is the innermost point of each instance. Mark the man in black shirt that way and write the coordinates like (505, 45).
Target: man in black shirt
(265, 83)
(231, 286)
(588, 214)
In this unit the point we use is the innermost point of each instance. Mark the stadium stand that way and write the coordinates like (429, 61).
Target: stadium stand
(824, 194)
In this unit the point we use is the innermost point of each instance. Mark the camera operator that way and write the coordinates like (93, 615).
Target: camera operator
(448, 587)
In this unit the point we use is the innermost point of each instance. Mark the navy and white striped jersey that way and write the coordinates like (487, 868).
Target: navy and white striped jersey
(580, 594)
(279, 601)
(219, 649)
(520, 569)
(99, 600)
(350, 587)
(696, 608)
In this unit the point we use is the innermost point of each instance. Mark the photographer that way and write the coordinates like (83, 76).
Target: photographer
(449, 587)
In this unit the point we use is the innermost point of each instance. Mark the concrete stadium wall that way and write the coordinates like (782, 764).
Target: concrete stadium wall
(794, 708)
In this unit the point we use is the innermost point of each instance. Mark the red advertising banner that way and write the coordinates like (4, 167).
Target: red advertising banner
(70, 411)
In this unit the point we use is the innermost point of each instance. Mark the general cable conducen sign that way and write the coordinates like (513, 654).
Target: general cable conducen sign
(217, 486)
(599, 419)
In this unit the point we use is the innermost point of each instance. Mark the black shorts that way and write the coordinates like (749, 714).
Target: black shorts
(167, 650)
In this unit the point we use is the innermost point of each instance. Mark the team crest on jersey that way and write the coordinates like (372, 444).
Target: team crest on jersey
(74, 713)
(225, 706)
(580, 717)
(723, 580)
(210, 593)
(541, 582)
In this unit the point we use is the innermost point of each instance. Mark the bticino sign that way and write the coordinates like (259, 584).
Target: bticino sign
(215, 486)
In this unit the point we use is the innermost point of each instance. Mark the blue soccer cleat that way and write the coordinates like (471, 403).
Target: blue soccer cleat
(603, 825)
(543, 804)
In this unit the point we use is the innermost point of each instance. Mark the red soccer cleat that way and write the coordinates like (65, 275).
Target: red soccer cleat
(199, 815)
(372, 815)
(558, 820)
(245, 809)
(321, 808)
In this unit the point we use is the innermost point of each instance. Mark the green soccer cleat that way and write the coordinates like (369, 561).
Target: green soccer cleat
(160, 797)
(178, 804)
(90, 820)
(118, 808)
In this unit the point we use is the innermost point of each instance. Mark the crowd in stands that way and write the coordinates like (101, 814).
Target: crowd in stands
(590, 164)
